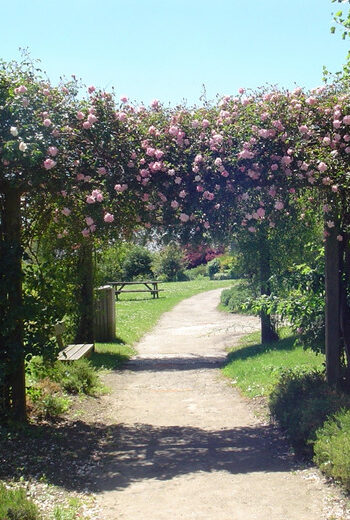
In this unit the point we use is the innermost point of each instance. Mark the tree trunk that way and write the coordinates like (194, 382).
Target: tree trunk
(12, 349)
(344, 270)
(332, 308)
(268, 332)
(85, 296)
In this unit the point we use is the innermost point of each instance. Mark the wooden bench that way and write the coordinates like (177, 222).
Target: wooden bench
(151, 286)
(71, 352)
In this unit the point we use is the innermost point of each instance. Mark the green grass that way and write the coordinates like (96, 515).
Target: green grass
(255, 367)
(15, 506)
(138, 313)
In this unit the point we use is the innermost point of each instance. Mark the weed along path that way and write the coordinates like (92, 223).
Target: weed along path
(183, 444)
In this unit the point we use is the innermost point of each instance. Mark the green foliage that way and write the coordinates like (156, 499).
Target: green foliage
(332, 447)
(47, 399)
(196, 273)
(109, 264)
(79, 377)
(213, 267)
(169, 263)
(48, 384)
(236, 298)
(137, 263)
(301, 402)
(14, 505)
(67, 513)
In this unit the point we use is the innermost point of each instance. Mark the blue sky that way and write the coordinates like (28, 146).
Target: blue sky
(167, 49)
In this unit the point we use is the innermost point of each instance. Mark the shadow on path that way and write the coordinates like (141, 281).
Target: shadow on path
(97, 457)
(170, 362)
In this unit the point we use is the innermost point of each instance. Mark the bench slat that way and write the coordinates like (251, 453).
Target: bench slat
(139, 290)
(74, 352)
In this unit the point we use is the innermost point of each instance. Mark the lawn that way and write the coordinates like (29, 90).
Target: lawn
(137, 314)
(255, 367)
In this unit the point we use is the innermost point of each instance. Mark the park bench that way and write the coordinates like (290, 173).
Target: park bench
(71, 352)
(151, 286)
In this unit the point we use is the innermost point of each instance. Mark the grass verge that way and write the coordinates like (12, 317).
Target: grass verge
(256, 367)
(137, 315)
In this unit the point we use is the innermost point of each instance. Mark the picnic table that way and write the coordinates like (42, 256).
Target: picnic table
(150, 286)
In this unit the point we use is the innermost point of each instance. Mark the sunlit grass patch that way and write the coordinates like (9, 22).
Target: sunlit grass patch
(255, 367)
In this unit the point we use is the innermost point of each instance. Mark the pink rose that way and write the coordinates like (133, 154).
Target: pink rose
(92, 118)
(47, 122)
(322, 167)
(279, 205)
(89, 221)
(66, 212)
(85, 232)
(80, 116)
(53, 151)
(101, 171)
(91, 89)
(184, 217)
(87, 125)
(49, 163)
(108, 217)
(124, 99)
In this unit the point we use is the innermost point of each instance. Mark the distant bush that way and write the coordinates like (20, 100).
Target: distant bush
(332, 447)
(197, 273)
(222, 276)
(137, 264)
(14, 505)
(213, 267)
(169, 263)
(235, 297)
(109, 263)
(301, 402)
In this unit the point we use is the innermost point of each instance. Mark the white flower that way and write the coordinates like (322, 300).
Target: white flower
(14, 131)
(22, 146)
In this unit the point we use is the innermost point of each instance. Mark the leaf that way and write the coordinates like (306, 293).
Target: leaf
(332, 30)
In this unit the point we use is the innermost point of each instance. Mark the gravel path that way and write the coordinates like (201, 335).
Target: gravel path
(183, 444)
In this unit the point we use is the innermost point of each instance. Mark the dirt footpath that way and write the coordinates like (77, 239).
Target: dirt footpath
(184, 445)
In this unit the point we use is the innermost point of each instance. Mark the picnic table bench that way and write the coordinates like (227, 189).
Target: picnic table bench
(150, 286)
(71, 352)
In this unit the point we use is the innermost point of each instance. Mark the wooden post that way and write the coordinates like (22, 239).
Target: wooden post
(105, 314)
(13, 338)
(332, 320)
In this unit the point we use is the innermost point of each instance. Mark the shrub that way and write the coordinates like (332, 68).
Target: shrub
(169, 263)
(235, 298)
(79, 377)
(15, 506)
(46, 399)
(109, 264)
(196, 273)
(301, 402)
(332, 447)
(137, 264)
(213, 267)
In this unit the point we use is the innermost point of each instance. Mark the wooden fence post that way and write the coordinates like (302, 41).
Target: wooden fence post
(105, 319)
